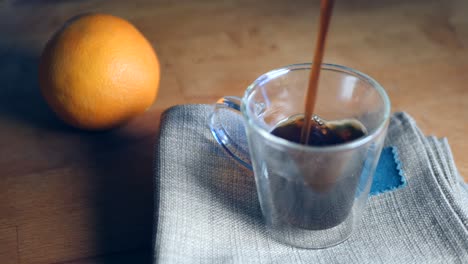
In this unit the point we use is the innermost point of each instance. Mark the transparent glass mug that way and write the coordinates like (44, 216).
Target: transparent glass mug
(310, 197)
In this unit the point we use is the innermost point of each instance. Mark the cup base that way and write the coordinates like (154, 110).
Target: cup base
(312, 239)
(311, 246)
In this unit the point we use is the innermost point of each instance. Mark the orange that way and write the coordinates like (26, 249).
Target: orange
(98, 71)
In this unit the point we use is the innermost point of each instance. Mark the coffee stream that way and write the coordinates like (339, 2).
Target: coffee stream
(325, 16)
(316, 194)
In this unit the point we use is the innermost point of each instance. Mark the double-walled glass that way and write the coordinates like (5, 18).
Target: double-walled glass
(311, 197)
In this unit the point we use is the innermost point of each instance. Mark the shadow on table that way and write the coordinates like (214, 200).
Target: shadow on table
(120, 163)
(20, 97)
(123, 178)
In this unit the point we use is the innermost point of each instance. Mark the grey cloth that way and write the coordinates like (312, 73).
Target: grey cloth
(207, 209)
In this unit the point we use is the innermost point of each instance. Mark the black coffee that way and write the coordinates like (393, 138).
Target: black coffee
(321, 133)
(316, 191)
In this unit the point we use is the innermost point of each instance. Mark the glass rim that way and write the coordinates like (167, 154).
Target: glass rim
(270, 75)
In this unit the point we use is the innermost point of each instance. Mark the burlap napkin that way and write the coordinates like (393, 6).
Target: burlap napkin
(207, 209)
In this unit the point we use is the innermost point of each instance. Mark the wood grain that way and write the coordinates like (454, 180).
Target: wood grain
(8, 245)
(68, 195)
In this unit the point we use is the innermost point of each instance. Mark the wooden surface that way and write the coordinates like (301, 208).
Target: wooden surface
(68, 196)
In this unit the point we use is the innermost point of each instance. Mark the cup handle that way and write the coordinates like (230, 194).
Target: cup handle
(229, 133)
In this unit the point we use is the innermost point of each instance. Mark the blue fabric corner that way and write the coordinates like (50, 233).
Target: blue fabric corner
(389, 174)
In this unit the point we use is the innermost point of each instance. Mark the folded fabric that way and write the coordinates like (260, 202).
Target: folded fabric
(207, 209)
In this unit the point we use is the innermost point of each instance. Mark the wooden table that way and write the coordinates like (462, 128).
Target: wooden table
(80, 197)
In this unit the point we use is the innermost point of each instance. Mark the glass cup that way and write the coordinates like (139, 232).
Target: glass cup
(310, 197)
